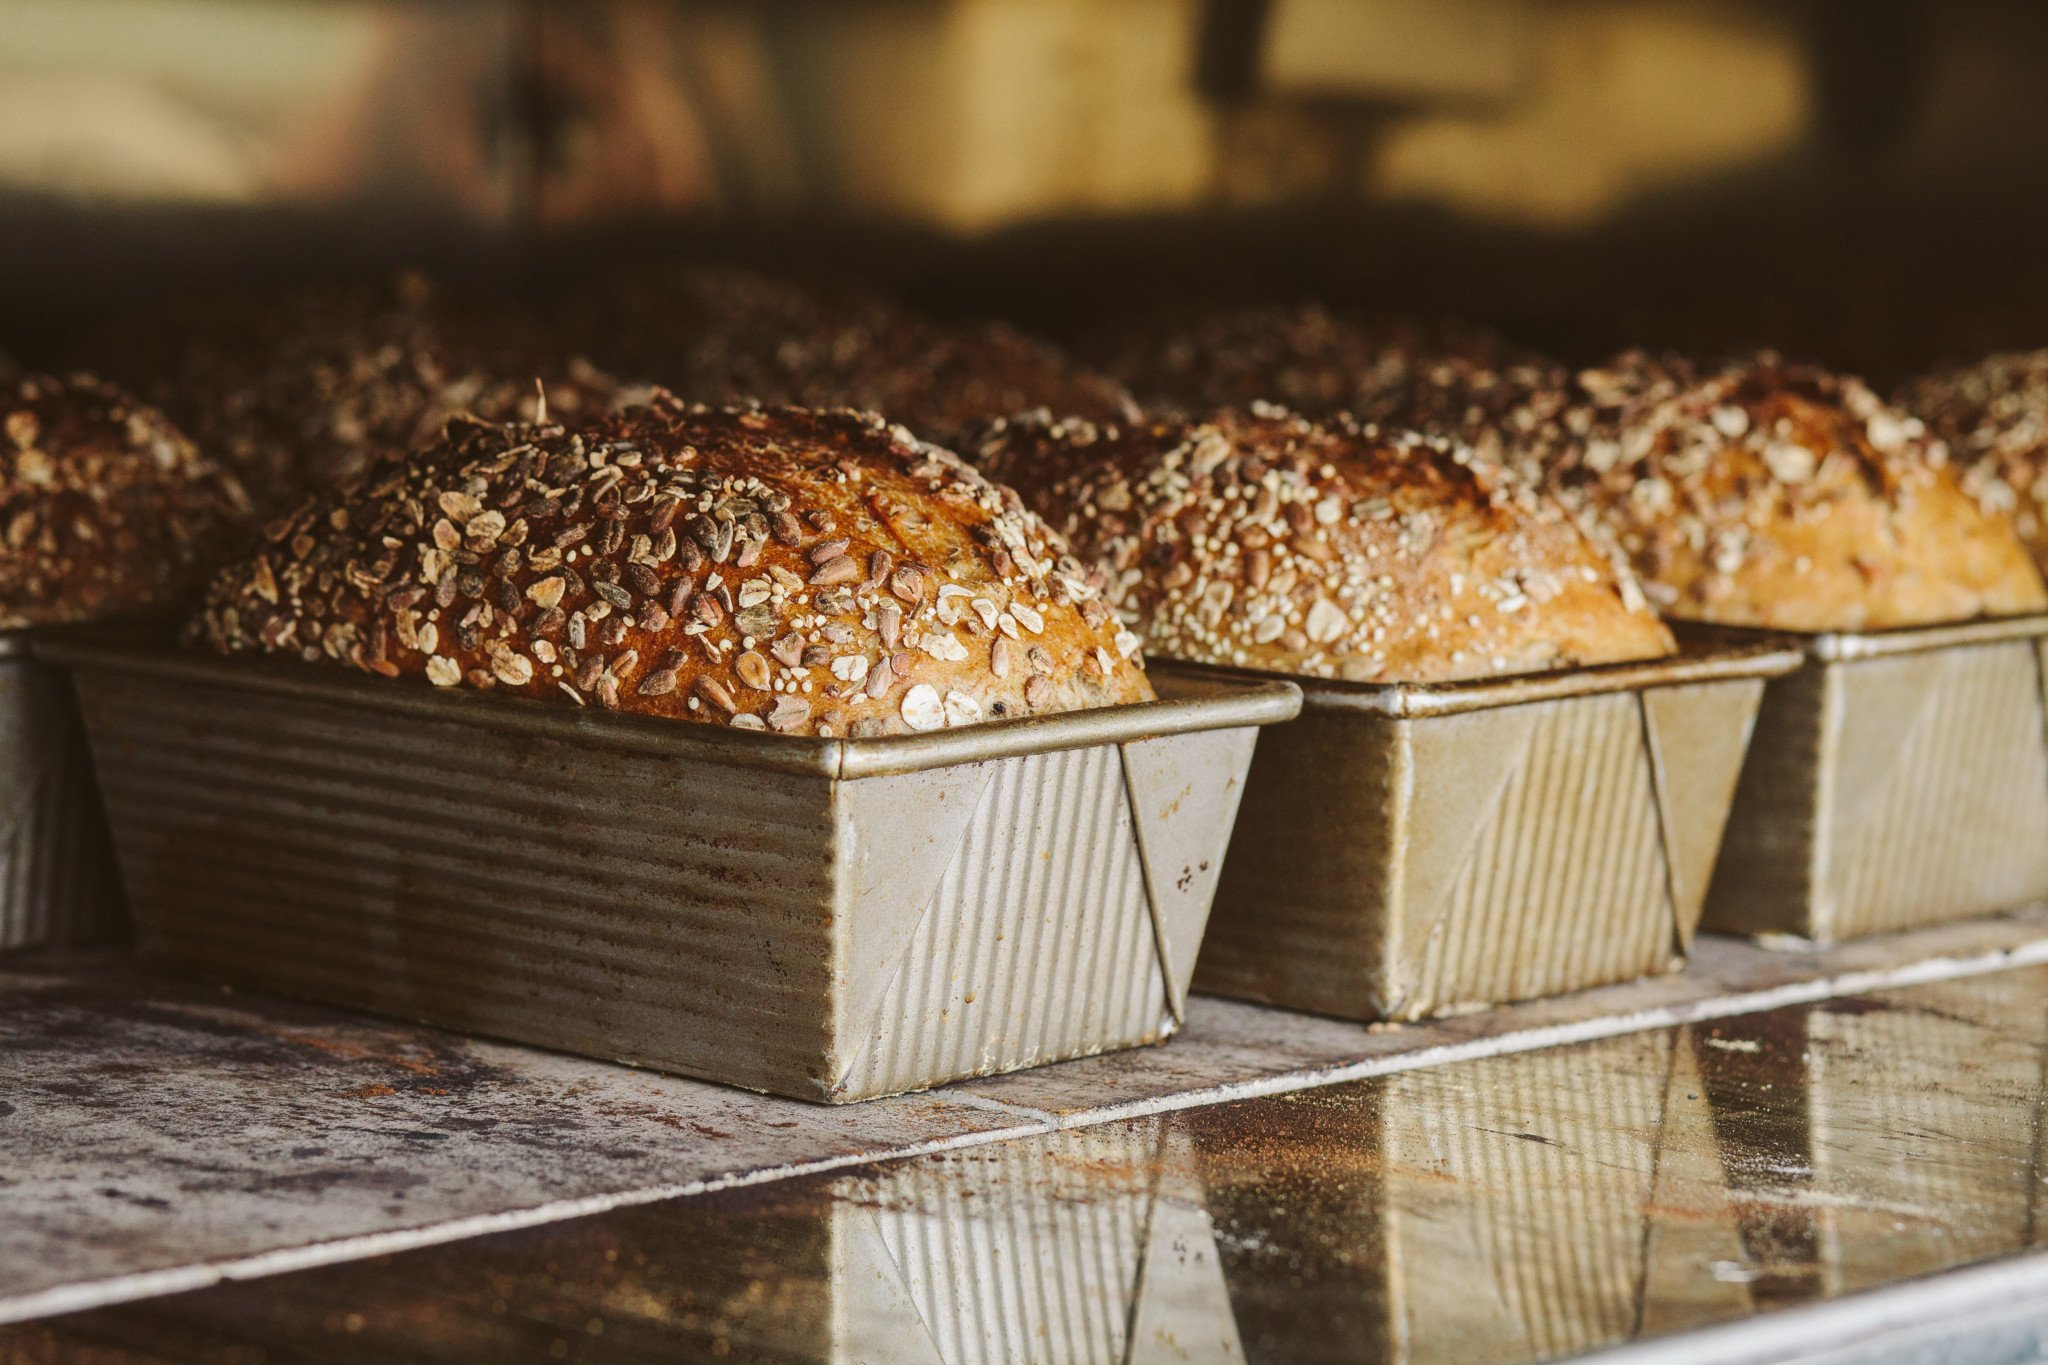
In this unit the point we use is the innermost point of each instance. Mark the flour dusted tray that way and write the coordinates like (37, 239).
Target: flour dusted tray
(1407, 850)
(1899, 778)
(830, 919)
(58, 885)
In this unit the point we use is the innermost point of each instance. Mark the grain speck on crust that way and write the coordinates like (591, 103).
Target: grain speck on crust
(563, 594)
(105, 508)
(1263, 540)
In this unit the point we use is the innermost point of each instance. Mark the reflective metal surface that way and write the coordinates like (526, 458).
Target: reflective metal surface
(1514, 1208)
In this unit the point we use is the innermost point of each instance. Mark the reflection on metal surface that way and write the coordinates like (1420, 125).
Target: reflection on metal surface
(1510, 1209)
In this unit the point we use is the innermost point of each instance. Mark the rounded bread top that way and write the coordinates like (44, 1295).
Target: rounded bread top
(1765, 493)
(105, 509)
(1994, 417)
(812, 573)
(1263, 540)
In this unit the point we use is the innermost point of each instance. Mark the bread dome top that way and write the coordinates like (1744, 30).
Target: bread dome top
(717, 334)
(299, 392)
(1994, 417)
(811, 573)
(105, 509)
(1263, 540)
(1763, 493)
(1305, 358)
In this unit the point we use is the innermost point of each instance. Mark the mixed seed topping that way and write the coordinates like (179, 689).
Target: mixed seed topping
(817, 573)
(723, 335)
(299, 392)
(1757, 492)
(1260, 539)
(105, 509)
(1994, 417)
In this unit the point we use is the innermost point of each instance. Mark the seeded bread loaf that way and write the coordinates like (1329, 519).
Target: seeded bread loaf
(1193, 361)
(1263, 540)
(302, 391)
(1994, 417)
(105, 509)
(1762, 493)
(814, 573)
(717, 334)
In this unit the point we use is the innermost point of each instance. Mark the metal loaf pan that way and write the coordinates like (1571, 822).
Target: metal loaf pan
(1899, 778)
(1409, 850)
(829, 919)
(58, 884)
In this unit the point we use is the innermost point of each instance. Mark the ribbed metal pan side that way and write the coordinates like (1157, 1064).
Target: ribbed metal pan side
(1039, 942)
(1300, 915)
(1564, 883)
(58, 883)
(1393, 867)
(1940, 808)
(606, 903)
(1889, 791)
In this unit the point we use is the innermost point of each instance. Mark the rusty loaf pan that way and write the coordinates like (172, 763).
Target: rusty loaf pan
(58, 884)
(1898, 778)
(829, 919)
(1410, 850)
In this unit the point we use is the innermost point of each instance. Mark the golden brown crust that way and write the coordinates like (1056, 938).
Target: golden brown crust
(717, 334)
(105, 509)
(1994, 417)
(807, 572)
(299, 392)
(1762, 493)
(1306, 358)
(1263, 540)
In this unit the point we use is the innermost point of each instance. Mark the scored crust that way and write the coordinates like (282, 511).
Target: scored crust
(105, 509)
(1305, 358)
(1765, 493)
(816, 573)
(302, 391)
(1263, 540)
(719, 334)
(1994, 417)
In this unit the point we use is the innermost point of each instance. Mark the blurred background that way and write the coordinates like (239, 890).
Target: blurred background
(1864, 181)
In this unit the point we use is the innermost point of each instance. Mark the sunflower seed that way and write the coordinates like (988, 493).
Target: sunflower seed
(1028, 617)
(716, 692)
(834, 570)
(1037, 690)
(743, 721)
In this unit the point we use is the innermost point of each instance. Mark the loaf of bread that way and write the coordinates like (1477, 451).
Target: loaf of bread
(1260, 539)
(1755, 493)
(105, 509)
(304, 390)
(812, 573)
(1306, 358)
(1994, 417)
(718, 334)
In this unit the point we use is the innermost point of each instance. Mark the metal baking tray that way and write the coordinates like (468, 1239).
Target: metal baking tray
(1898, 778)
(58, 884)
(825, 918)
(1409, 850)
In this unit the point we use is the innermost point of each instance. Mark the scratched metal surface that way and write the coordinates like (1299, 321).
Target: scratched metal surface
(157, 1135)
(1637, 1188)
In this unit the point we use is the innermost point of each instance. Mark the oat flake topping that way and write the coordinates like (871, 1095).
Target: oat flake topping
(781, 569)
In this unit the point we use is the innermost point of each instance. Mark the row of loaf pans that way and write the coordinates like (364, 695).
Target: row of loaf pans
(841, 919)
